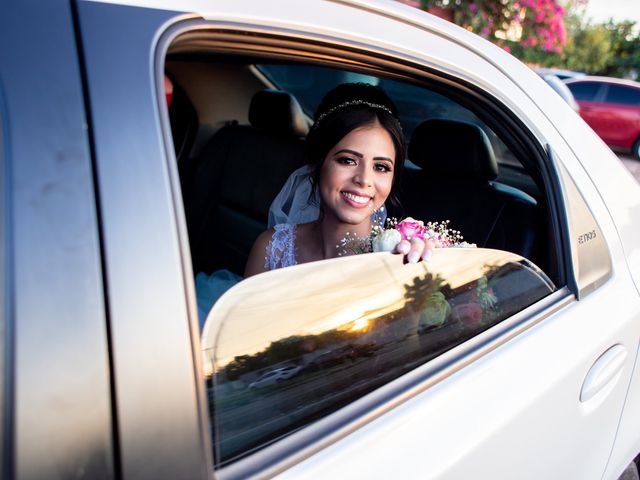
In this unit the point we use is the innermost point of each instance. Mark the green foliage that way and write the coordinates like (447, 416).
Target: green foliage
(610, 49)
(589, 49)
(625, 48)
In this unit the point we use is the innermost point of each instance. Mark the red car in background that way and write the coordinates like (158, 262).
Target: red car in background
(611, 107)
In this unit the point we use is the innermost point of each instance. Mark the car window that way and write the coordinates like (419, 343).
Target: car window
(585, 91)
(623, 95)
(340, 337)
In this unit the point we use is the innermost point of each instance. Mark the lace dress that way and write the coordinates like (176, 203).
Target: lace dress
(281, 250)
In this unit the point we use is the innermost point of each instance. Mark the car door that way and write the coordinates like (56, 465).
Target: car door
(523, 399)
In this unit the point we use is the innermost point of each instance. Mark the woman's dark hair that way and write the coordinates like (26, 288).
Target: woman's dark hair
(345, 108)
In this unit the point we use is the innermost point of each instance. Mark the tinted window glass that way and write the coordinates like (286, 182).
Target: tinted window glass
(586, 91)
(287, 347)
(623, 95)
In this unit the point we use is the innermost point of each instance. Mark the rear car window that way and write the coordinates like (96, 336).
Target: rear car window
(623, 95)
(585, 91)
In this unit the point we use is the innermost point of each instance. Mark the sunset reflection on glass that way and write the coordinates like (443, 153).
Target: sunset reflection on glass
(287, 347)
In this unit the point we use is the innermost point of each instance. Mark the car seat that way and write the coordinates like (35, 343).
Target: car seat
(456, 181)
(237, 175)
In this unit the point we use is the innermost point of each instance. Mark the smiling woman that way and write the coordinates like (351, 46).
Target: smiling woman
(356, 150)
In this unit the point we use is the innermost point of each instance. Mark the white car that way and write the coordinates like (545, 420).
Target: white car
(141, 145)
(274, 376)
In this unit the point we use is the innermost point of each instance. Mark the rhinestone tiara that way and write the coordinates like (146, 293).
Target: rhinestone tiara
(353, 103)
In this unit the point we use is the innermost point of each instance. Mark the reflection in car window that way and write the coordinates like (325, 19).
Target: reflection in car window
(623, 95)
(287, 347)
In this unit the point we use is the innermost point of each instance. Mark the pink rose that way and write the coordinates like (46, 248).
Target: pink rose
(410, 228)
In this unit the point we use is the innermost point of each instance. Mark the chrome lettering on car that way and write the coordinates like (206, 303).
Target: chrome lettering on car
(586, 237)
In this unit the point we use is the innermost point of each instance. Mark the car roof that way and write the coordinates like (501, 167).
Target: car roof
(612, 80)
(559, 72)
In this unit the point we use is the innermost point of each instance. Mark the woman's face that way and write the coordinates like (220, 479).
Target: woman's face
(357, 174)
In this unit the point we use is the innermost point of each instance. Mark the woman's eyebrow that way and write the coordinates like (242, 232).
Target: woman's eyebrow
(359, 155)
(352, 152)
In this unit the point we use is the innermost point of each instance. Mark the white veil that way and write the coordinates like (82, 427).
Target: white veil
(298, 203)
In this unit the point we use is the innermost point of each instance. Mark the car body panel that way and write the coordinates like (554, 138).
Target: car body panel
(145, 270)
(57, 416)
(617, 124)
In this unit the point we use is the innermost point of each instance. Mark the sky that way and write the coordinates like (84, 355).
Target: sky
(601, 10)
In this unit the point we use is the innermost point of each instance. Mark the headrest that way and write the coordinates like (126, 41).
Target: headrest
(452, 148)
(277, 112)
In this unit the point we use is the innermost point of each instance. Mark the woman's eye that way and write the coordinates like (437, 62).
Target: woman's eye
(382, 167)
(346, 160)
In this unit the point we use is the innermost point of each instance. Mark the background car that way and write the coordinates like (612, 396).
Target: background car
(562, 74)
(112, 202)
(274, 376)
(612, 108)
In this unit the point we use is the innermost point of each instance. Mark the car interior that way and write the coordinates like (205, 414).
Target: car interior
(238, 126)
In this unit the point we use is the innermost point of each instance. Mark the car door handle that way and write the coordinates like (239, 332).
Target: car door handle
(605, 371)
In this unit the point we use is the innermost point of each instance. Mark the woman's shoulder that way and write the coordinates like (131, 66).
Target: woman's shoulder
(269, 247)
(255, 262)
(278, 232)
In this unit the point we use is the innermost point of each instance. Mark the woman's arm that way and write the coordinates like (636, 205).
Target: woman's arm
(256, 260)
